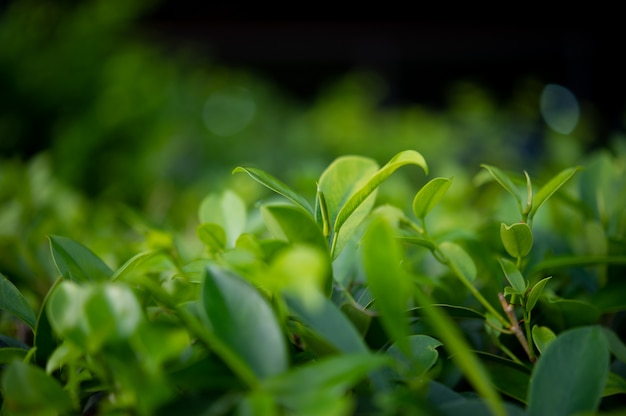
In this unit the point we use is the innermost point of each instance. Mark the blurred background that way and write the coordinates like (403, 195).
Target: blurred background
(150, 105)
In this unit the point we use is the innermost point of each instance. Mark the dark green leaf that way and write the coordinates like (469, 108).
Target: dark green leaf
(277, 186)
(77, 262)
(12, 301)
(551, 187)
(244, 321)
(517, 239)
(571, 374)
(423, 355)
(513, 275)
(614, 385)
(430, 195)
(616, 346)
(508, 377)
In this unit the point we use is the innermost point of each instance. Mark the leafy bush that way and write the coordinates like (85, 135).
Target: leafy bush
(473, 300)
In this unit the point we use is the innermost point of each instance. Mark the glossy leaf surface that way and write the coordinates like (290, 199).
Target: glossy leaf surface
(430, 194)
(77, 262)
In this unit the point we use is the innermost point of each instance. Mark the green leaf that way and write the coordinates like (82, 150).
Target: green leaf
(616, 346)
(513, 275)
(8, 355)
(459, 261)
(388, 283)
(213, 236)
(505, 181)
(401, 159)
(326, 319)
(614, 385)
(291, 224)
(551, 187)
(517, 239)
(77, 262)
(535, 293)
(508, 377)
(430, 195)
(226, 210)
(27, 389)
(542, 337)
(277, 186)
(570, 375)
(12, 301)
(135, 263)
(423, 355)
(243, 320)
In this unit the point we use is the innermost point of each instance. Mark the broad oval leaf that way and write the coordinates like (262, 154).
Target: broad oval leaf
(535, 293)
(243, 320)
(65, 307)
(213, 236)
(459, 261)
(542, 337)
(12, 301)
(388, 283)
(28, 390)
(226, 210)
(505, 181)
(77, 262)
(513, 275)
(570, 375)
(430, 195)
(134, 263)
(277, 186)
(289, 223)
(517, 239)
(551, 187)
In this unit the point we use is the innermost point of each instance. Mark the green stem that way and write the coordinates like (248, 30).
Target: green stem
(529, 335)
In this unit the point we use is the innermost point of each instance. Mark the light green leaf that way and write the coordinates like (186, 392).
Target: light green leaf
(277, 186)
(535, 293)
(614, 385)
(289, 223)
(459, 261)
(430, 195)
(27, 389)
(513, 275)
(135, 263)
(388, 283)
(12, 301)
(226, 210)
(326, 319)
(213, 236)
(423, 355)
(243, 320)
(542, 336)
(551, 187)
(77, 262)
(517, 239)
(571, 374)
(505, 181)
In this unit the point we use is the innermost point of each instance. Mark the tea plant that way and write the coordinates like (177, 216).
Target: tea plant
(341, 306)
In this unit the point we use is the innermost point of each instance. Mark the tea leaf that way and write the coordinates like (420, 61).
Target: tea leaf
(535, 293)
(423, 355)
(542, 336)
(388, 283)
(277, 186)
(77, 262)
(244, 321)
(513, 275)
(517, 239)
(12, 301)
(213, 236)
(508, 377)
(570, 375)
(226, 210)
(291, 224)
(505, 181)
(430, 195)
(459, 261)
(551, 187)
(614, 385)
(134, 263)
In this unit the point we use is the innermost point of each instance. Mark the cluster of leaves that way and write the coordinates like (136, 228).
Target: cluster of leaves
(340, 307)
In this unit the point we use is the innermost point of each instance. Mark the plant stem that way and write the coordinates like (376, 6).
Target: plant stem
(515, 328)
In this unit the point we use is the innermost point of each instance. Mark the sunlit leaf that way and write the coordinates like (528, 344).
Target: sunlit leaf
(135, 263)
(213, 236)
(244, 321)
(291, 224)
(77, 262)
(277, 186)
(551, 187)
(517, 239)
(570, 375)
(430, 195)
(388, 283)
(226, 210)
(12, 301)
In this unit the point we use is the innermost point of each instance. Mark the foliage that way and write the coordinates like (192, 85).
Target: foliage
(341, 305)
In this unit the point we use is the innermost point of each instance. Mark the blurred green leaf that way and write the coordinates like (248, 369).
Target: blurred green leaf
(571, 374)
(429, 195)
(551, 187)
(542, 337)
(291, 224)
(213, 236)
(28, 390)
(616, 346)
(277, 186)
(226, 210)
(422, 356)
(459, 261)
(517, 239)
(12, 301)
(135, 263)
(388, 283)
(244, 321)
(614, 385)
(513, 275)
(77, 262)
(508, 377)
(505, 181)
